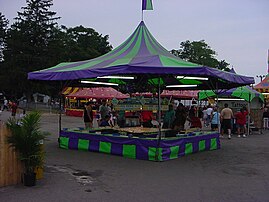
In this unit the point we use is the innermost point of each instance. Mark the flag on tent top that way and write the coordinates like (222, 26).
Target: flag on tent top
(147, 5)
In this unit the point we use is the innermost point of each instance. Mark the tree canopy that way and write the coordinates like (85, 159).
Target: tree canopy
(36, 41)
(3, 34)
(201, 53)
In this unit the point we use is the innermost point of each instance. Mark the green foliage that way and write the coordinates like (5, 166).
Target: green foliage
(200, 52)
(25, 138)
(3, 34)
(35, 41)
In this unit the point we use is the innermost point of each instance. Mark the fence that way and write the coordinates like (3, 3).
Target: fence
(10, 166)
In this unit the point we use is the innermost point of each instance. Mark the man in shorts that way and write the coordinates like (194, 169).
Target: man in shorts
(226, 120)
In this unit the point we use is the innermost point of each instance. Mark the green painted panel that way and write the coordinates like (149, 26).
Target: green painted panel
(174, 152)
(213, 144)
(129, 151)
(64, 141)
(202, 145)
(83, 144)
(105, 147)
(188, 148)
(152, 154)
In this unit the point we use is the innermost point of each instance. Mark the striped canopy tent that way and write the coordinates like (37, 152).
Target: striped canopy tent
(70, 90)
(180, 94)
(98, 93)
(263, 86)
(150, 63)
(243, 92)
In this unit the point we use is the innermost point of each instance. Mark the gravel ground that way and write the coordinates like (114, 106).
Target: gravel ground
(236, 172)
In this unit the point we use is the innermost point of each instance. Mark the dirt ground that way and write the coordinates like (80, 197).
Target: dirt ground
(239, 171)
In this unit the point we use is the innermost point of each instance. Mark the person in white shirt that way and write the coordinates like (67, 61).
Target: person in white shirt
(209, 111)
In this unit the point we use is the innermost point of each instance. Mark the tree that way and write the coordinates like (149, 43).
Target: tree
(201, 53)
(27, 44)
(80, 43)
(3, 34)
(35, 41)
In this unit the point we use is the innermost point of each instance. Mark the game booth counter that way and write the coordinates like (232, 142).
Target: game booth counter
(74, 102)
(144, 65)
(135, 141)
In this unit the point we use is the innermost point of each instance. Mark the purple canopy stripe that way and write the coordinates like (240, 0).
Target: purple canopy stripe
(140, 54)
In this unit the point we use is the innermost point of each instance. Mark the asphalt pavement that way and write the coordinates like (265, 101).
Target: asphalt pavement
(236, 172)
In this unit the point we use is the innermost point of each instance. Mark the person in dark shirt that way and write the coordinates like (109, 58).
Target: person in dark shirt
(105, 122)
(88, 116)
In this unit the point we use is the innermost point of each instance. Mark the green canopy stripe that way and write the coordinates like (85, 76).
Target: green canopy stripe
(131, 54)
(98, 60)
(152, 50)
(158, 47)
(173, 62)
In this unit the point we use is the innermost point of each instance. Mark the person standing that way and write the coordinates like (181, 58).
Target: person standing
(103, 110)
(5, 104)
(209, 111)
(226, 120)
(204, 116)
(241, 122)
(88, 116)
(180, 117)
(215, 119)
(169, 117)
(14, 107)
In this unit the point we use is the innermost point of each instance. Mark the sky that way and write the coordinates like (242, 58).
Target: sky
(238, 30)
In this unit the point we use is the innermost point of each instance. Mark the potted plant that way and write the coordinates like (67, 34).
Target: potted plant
(26, 137)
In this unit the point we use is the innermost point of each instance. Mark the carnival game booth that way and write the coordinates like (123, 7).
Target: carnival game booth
(144, 65)
(74, 102)
(138, 143)
(237, 98)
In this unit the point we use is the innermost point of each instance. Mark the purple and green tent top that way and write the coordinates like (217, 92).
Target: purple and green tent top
(243, 92)
(140, 54)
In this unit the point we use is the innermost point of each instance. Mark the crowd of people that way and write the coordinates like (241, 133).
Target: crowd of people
(174, 118)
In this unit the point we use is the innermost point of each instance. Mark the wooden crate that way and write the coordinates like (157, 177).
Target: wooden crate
(10, 166)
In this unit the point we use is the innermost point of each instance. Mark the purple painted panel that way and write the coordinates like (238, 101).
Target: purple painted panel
(117, 149)
(141, 152)
(94, 146)
(166, 154)
(73, 143)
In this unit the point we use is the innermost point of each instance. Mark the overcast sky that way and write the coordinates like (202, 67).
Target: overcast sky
(238, 30)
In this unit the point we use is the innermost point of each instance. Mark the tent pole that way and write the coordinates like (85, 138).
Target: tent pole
(60, 106)
(159, 121)
(248, 114)
(218, 118)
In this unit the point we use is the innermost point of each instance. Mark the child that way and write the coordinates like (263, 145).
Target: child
(105, 122)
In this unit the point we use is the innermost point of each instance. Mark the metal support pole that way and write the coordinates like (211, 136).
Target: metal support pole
(248, 114)
(159, 121)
